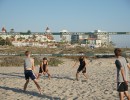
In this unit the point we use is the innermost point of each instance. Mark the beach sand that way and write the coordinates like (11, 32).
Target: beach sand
(100, 85)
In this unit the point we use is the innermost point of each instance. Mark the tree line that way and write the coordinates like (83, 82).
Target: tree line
(6, 41)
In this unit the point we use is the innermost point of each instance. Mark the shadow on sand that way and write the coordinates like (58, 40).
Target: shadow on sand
(59, 77)
(43, 96)
(64, 77)
(21, 75)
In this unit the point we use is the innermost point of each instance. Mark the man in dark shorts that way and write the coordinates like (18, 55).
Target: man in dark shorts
(29, 71)
(122, 74)
(82, 67)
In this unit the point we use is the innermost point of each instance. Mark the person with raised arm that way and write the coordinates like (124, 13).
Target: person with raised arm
(82, 67)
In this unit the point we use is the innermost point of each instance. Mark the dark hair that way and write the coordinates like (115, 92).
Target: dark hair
(27, 53)
(44, 58)
(81, 58)
(117, 52)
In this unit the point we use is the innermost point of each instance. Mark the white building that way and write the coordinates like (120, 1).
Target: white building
(98, 43)
(27, 40)
(103, 36)
(81, 37)
(65, 37)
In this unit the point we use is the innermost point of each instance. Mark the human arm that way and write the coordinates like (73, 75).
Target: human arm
(86, 62)
(46, 68)
(123, 75)
(33, 67)
(128, 64)
(41, 66)
(119, 66)
(75, 63)
(24, 65)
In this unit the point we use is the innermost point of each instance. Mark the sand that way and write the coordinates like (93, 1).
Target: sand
(100, 85)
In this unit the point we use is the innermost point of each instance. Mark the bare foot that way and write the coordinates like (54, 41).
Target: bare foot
(49, 77)
(41, 91)
(77, 79)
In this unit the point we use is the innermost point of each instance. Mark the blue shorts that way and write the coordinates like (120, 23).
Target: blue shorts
(29, 73)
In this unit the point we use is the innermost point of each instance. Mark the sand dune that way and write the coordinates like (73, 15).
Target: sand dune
(101, 84)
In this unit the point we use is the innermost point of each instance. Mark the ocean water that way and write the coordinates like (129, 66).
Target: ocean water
(121, 41)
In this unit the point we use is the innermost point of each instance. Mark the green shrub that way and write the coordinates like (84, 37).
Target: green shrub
(37, 60)
(11, 61)
(16, 61)
(55, 62)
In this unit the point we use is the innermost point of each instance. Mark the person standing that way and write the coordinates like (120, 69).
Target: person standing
(29, 71)
(82, 67)
(122, 74)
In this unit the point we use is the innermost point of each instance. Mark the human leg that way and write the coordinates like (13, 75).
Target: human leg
(77, 76)
(49, 76)
(39, 74)
(126, 90)
(122, 88)
(85, 75)
(127, 95)
(84, 72)
(121, 95)
(36, 83)
(33, 77)
(25, 85)
(27, 79)
(78, 71)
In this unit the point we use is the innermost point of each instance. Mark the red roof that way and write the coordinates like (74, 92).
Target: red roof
(3, 29)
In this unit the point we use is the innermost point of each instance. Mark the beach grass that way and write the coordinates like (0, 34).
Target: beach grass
(13, 60)
(18, 61)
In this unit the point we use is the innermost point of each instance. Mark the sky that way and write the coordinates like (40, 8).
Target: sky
(72, 15)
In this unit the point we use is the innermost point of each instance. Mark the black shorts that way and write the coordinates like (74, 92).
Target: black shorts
(83, 69)
(40, 69)
(29, 73)
(122, 86)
